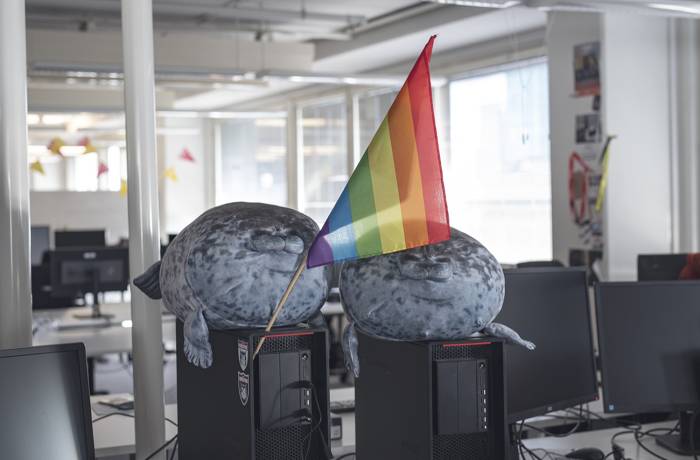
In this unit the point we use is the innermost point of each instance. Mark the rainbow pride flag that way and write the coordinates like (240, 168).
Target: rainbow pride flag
(395, 198)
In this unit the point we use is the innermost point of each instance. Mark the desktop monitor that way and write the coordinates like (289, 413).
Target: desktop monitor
(79, 238)
(660, 267)
(548, 306)
(45, 402)
(79, 271)
(650, 349)
(40, 243)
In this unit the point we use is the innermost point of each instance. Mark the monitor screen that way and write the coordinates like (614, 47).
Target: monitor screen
(40, 243)
(660, 267)
(78, 271)
(649, 345)
(44, 399)
(80, 238)
(548, 306)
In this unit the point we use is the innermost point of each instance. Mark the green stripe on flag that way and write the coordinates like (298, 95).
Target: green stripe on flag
(364, 218)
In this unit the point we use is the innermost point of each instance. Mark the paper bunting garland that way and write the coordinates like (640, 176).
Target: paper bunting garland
(102, 168)
(55, 145)
(170, 173)
(186, 155)
(85, 142)
(122, 189)
(37, 167)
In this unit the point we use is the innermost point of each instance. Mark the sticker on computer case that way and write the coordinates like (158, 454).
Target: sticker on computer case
(243, 354)
(243, 387)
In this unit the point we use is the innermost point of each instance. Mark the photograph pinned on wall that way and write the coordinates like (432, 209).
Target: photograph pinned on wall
(586, 69)
(588, 128)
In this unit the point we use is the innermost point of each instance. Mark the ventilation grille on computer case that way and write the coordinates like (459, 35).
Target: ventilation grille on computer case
(445, 351)
(288, 443)
(461, 446)
(281, 343)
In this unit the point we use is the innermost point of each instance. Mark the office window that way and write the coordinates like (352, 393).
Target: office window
(253, 161)
(372, 108)
(497, 175)
(324, 153)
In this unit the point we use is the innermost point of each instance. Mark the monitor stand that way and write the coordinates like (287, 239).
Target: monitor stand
(96, 313)
(680, 443)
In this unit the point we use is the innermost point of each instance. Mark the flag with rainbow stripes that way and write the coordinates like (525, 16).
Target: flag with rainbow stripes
(395, 198)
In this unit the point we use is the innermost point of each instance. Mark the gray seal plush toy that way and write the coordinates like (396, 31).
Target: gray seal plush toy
(229, 268)
(445, 291)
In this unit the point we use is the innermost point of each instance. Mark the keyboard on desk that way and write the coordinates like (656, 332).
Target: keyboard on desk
(340, 407)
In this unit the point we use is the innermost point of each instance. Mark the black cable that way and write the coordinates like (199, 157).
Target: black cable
(161, 448)
(172, 454)
(124, 414)
(638, 438)
(345, 456)
(316, 427)
(692, 434)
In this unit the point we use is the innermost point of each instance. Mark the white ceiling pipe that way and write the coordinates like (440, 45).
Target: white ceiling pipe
(251, 14)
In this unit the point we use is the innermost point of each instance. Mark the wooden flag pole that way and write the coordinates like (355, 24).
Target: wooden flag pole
(283, 300)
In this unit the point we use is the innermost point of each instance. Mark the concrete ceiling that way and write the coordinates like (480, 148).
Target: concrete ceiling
(271, 19)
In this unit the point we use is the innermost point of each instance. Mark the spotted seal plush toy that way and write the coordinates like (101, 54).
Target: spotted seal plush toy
(229, 268)
(445, 291)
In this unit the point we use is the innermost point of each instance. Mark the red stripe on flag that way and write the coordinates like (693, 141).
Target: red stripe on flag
(419, 88)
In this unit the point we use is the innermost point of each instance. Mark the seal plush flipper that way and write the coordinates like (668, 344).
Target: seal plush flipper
(510, 336)
(149, 281)
(352, 360)
(318, 320)
(197, 347)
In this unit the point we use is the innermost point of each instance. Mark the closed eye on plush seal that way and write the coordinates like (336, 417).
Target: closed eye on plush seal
(263, 242)
(293, 244)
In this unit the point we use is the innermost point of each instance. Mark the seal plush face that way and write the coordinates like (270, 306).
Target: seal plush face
(447, 290)
(242, 264)
(229, 268)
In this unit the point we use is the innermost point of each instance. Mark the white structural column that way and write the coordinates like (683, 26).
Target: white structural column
(144, 236)
(15, 291)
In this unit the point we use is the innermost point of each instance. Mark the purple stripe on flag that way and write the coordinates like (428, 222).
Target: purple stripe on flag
(320, 252)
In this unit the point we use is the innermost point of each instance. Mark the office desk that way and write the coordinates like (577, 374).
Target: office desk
(115, 338)
(114, 436)
(98, 340)
(601, 439)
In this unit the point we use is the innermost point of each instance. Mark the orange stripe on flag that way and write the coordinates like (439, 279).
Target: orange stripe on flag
(418, 85)
(408, 173)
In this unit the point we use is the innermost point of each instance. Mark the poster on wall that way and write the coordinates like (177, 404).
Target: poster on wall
(588, 128)
(586, 69)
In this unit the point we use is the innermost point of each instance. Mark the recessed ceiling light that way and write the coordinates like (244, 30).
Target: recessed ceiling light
(674, 7)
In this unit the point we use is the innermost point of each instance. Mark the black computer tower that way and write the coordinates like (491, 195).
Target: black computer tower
(272, 408)
(430, 400)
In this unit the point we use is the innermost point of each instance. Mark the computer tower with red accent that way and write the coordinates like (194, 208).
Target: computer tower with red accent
(274, 407)
(430, 400)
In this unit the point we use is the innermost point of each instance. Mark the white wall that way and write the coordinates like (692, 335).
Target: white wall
(185, 199)
(81, 210)
(636, 98)
(565, 30)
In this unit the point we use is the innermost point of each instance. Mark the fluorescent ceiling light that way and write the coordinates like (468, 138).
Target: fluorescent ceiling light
(72, 150)
(330, 79)
(54, 119)
(33, 119)
(480, 4)
(676, 8)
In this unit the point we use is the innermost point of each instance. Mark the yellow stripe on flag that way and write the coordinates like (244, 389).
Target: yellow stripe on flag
(386, 191)
(408, 174)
